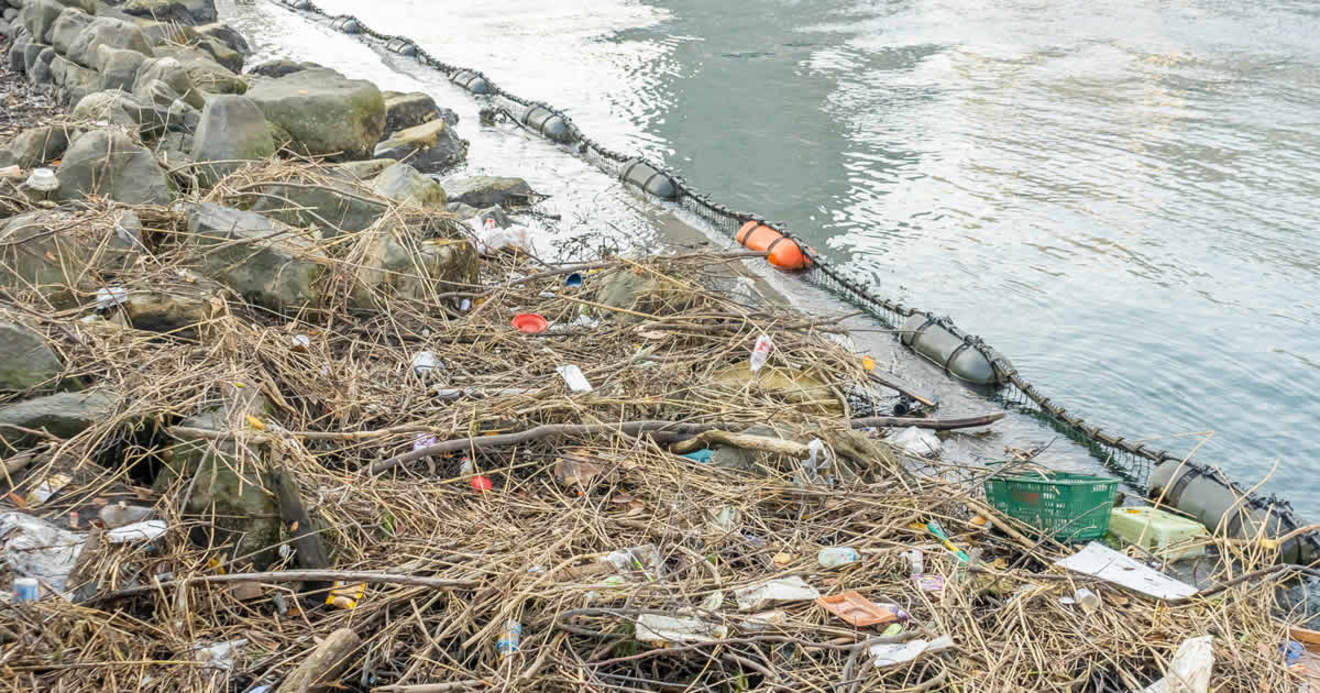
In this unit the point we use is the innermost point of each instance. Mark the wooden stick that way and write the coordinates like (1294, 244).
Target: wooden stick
(433, 687)
(320, 670)
(293, 576)
(932, 424)
(746, 441)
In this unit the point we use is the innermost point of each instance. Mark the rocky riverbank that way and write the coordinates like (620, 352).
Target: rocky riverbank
(283, 409)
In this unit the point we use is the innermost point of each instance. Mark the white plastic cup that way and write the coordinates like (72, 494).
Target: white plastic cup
(43, 180)
(26, 589)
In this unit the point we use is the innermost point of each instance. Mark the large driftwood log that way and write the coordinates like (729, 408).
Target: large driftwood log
(321, 669)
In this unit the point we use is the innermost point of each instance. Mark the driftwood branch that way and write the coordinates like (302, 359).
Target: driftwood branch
(632, 428)
(745, 441)
(367, 576)
(322, 667)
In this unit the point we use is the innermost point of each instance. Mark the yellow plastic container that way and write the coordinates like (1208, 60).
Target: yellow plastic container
(1162, 533)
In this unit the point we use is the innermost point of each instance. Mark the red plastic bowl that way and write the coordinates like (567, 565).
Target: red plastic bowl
(529, 323)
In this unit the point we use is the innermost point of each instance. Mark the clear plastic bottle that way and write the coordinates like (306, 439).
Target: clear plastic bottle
(761, 352)
(1088, 600)
(835, 556)
(509, 639)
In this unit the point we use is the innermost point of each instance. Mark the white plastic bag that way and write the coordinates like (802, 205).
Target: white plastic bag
(789, 589)
(1190, 668)
(916, 441)
(491, 238)
(36, 548)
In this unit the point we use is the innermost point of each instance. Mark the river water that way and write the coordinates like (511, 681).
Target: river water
(1120, 195)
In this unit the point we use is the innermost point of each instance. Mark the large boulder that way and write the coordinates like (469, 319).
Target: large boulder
(38, 16)
(187, 12)
(323, 112)
(221, 53)
(26, 361)
(35, 146)
(111, 164)
(176, 309)
(489, 191)
(334, 206)
(404, 258)
(267, 262)
(225, 482)
(118, 67)
(406, 185)
(70, 22)
(281, 67)
(428, 147)
(403, 111)
(38, 70)
(105, 31)
(227, 35)
(114, 107)
(74, 80)
(232, 130)
(60, 254)
(163, 80)
(207, 74)
(64, 414)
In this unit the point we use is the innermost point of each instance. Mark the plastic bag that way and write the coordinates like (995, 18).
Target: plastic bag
(36, 548)
(916, 441)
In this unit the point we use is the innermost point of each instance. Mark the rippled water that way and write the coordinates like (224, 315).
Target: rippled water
(1120, 195)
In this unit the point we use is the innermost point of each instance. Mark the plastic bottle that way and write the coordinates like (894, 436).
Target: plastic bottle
(424, 362)
(509, 639)
(835, 556)
(761, 352)
(916, 561)
(26, 589)
(1089, 601)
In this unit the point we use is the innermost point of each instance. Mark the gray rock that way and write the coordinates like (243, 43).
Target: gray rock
(118, 67)
(64, 414)
(173, 150)
(461, 210)
(487, 191)
(403, 111)
(325, 113)
(271, 264)
(360, 171)
(38, 16)
(16, 53)
(9, 30)
(26, 361)
(221, 53)
(396, 261)
(161, 33)
(167, 72)
(233, 129)
(186, 12)
(429, 147)
(179, 309)
(110, 164)
(331, 208)
(207, 74)
(225, 482)
(105, 31)
(39, 71)
(31, 54)
(70, 22)
(281, 68)
(10, 14)
(227, 35)
(114, 107)
(36, 146)
(78, 81)
(406, 185)
(180, 117)
(54, 252)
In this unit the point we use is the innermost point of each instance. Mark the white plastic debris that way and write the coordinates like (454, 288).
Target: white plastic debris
(491, 239)
(761, 352)
(12, 171)
(36, 548)
(121, 513)
(789, 589)
(111, 296)
(916, 441)
(423, 362)
(1100, 561)
(713, 601)
(645, 558)
(889, 654)
(666, 629)
(573, 377)
(1190, 668)
(43, 180)
(764, 620)
(219, 655)
(138, 531)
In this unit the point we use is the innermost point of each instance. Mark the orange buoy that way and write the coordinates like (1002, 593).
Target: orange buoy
(783, 252)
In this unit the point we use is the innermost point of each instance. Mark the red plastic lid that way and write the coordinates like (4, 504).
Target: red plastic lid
(481, 484)
(529, 323)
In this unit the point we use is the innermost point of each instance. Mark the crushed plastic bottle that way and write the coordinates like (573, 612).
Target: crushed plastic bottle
(510, 638)
(836, 556)
(761, 353)
(1088, 600)
(423, 362)
(573, 377)
(916, 561)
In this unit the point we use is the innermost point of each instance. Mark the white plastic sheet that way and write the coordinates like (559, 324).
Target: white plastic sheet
(1107, 564)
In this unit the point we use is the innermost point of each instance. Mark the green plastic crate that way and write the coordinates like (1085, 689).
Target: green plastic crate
(1069, 507)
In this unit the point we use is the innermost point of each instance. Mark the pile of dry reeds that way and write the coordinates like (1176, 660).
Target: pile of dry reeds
(375, 451)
